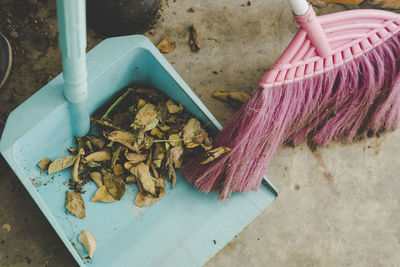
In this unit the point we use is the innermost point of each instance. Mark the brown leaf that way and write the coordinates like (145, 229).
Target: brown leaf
(164, 128)
(141, 103)
(73, 150)
(102, 195)
(115, 156)
(191, 127)
(108, 124)
(44, 164)
(134, 157)
(199, 136)
(89, 145)
(236, 99)
(159, 159)
(61, 164)
(142, 174)
(115, 185)
(146, 115)
(145, 199)
(172, 107)
(102, 155)
(157, 132)
(75, 170)
(194, 39)
(175, 154)
(151, 125)
(166, 45)
(191, 145)
(130, 179)
(97, 142)
(74, 204)
(124, 138)
(175, 140)
(97, 178)
(118, 169)
(215, 153)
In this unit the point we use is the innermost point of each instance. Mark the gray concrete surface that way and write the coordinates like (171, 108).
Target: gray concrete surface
(337, 206)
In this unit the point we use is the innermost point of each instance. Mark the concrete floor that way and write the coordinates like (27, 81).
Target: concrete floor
(337, 206)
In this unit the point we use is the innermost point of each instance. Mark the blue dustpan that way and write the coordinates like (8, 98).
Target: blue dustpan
(185, 228)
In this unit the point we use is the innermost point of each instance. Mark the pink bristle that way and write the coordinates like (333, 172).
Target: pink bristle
(351, 101)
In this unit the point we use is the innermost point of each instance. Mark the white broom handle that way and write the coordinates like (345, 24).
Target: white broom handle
(299, 7)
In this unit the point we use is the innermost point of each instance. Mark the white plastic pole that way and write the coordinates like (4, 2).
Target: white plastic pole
(299, 7)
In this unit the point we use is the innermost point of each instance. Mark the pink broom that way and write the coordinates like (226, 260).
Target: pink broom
(338, 78)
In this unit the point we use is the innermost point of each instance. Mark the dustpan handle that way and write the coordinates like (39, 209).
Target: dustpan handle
(72, 32)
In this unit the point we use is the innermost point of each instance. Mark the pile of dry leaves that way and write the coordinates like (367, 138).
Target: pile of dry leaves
(141, 139)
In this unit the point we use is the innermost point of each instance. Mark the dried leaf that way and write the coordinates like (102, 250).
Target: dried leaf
(194, 39)
(108, 124)
(154, 170)
(61, 164)
(162, 113)
(151, 125)
(102, 195)
(115, 156)
(141, 103)
(97, 142)
(74, 204)
(75, 170)
(191, 145)
(206, 148)
(145, 115)
(118, 169)
(148, 142)
(199, 136)
(142, 174)
(164, 128)
(89, 145)
(157, 132)
(158, 160)
(215, 153)
(166, 45)
(73, 150)
(144, 199)
(44, 164)
(102, 155)
(134, 157)
(172, 176)
(130, 179)
(128, 165)
(175, 154)
(175, 140)
(236, 99)
(115, 185)
(88, 241)
(172, 107)
(97, 178)
(191, 127)
(124, 138)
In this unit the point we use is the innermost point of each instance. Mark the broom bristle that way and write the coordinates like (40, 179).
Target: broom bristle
(359, 98)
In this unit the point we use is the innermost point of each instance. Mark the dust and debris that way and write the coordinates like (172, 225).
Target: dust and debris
(6, 227)
(166, 45)
(194, 42)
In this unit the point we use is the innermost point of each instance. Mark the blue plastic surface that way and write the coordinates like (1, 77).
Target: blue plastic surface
(186, 228)
(71, 16)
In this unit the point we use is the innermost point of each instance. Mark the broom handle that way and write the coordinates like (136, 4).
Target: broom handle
(72, 28)
(305, 17)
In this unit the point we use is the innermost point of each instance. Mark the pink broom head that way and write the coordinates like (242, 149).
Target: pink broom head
(351, 92)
